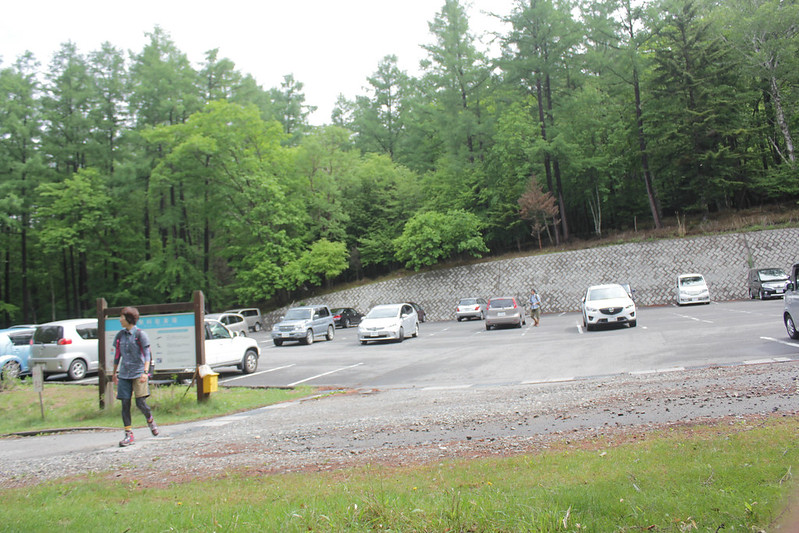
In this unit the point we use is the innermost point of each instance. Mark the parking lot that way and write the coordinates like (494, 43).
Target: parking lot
(451, 354)
(463, 354)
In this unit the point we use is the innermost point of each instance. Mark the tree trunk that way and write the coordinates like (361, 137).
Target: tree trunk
(547, 161)
(654, 203)
(780, 115)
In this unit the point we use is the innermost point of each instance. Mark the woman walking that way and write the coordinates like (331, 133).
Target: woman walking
(132, 359)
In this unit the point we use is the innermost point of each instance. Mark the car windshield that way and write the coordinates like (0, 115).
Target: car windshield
(772, 274)
(501, 302)
(606, 293)
(468, 301)
(299, 314)
(692, 280)
(383, 312)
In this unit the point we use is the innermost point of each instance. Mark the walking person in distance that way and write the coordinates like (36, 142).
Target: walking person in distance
(535, 306)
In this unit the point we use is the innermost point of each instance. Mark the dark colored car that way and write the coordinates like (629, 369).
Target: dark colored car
(419, 311)
(345, 317)
(766, 282)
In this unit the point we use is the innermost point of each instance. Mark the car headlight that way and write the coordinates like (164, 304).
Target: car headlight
(628, 307)
(591, 310)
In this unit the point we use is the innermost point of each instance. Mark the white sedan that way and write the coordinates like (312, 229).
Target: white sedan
(389, 321)
(608, 304)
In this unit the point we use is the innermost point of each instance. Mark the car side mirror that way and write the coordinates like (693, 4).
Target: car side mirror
(789, 286)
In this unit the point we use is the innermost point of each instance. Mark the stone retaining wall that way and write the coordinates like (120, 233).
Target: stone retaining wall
(561, 278)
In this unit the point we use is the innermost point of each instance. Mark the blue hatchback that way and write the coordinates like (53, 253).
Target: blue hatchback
(15, 352)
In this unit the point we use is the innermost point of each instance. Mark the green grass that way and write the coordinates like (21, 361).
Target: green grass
(722, 477)
(69, 406)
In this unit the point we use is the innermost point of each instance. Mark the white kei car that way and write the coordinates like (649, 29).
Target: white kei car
(692, 289)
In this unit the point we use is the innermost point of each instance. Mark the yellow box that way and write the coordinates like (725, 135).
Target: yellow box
(210, 383)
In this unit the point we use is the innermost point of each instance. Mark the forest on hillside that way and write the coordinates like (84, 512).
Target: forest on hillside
(139, 177)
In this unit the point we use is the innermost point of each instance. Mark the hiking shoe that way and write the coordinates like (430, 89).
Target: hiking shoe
(153, 427)
(127, 441)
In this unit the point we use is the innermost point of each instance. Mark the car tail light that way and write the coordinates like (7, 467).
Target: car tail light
(336, 317)
(514, 304)
(62, 342)
(476, 307)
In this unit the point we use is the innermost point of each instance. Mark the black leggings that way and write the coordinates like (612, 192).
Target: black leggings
(141, 403)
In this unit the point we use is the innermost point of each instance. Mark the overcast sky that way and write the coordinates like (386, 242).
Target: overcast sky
(331, 46)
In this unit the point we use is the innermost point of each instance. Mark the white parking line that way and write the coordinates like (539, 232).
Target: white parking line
(258, 373)
(445, 387)
(323, 374)
(694, 318)
(786, 343)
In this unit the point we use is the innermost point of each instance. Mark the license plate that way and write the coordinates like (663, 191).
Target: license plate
(500, 314)
(374, 334)
(779, 291)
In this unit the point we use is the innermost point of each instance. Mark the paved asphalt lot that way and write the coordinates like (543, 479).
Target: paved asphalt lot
(463, 354)
(455, 354)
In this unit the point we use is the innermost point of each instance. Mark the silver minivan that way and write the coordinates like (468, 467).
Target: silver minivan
(66, 346)
(252, 315)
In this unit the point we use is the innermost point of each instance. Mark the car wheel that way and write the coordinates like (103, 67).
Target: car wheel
(364, 342)
(308, 337)
(77, 370)
(257, 326)
(633, 323)
(488, 327)
(460, 318)
(11, 370)
(278, 342)
(401, 336)
(751, 294)
(345, 322)
(791, 327)
(331, 333)
(482, 316)
(250, 362)
(416, 331)
(762, 295)
(242, 333)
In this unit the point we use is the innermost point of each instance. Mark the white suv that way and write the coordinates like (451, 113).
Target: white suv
(604, 305)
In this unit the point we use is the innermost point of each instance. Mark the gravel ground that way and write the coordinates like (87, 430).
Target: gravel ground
(410, 426)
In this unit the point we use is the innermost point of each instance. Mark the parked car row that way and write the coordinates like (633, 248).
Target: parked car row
(306, 324)
(71, 347)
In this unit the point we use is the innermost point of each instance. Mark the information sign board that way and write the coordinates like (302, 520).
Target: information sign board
(171, 340)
